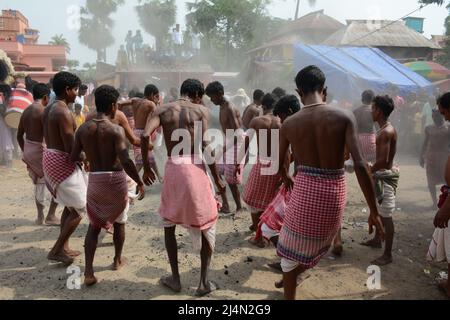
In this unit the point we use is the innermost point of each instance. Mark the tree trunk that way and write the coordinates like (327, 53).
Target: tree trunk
(228, 45)
(99, 54)
(297, 10)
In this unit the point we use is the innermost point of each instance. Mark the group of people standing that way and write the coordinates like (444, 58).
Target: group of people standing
(300, 211)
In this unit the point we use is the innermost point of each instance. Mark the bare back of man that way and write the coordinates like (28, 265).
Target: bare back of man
(59, 131)
(261, 188)
(107, 153)
(31, 125)
(434, 156)
(268, 122)
(253, 111)
(180, 115)
(99, 139)
(142, 108)
(186, 179)
(230, 117)
(318, 136)
(32, 119)
(364, 120)
(120, 119)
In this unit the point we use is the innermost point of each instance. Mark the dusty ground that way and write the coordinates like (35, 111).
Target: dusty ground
(240, 270)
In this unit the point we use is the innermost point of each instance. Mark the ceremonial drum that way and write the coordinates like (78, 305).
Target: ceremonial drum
(20, 100)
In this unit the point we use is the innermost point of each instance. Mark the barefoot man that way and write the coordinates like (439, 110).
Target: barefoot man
(435, 154)
(187, 198)
(385, 174)
(107, 195)
(142, 109)
(64, 178)
(272, 219)
(32, 146)
(254, 110)
(262, 187)
(230, 119)
(318, 136)
(366, 129)
(440, 245)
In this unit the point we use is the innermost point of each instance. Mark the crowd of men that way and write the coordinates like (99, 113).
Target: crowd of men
(298, 207)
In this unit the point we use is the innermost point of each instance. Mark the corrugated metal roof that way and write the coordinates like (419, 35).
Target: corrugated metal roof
(363, 33)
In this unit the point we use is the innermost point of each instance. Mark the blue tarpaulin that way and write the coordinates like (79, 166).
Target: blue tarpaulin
(351, 70)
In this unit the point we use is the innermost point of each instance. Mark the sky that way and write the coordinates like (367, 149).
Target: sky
(57, 16)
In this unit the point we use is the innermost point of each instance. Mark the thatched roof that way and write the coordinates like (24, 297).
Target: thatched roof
(317, 21)
(363, 33)
(307, 29)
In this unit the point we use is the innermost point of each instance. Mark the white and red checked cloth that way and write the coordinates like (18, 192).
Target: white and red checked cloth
(138, 151)
(313, 216)
(187, 197)
(261, 188)
(57, 168)
(32, 156)
(107, 198)
(368, 144)
(273, 217)
(439, 250)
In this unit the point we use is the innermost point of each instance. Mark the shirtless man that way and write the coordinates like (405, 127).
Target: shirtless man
(187, 198)
(318, 136)
(435, 154)
(107, 196)
(441, 237)
(230, 119)
(366, 129)
(261, 188)
(386, 176)
(121, 120)
(142, 109)
(254, 110)
(64, 178)
(31, 126)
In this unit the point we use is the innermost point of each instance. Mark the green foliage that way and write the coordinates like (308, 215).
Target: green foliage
(231, 27)
(59, 40)
(96, 25)
(444, 59)
(72, 64)
(156, 17)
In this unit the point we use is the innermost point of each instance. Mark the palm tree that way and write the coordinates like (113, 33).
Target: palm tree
(312, 3)
(96, 30)
(59, 40)
(72, 64)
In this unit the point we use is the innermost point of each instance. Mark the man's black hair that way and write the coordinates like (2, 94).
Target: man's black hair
(268, 101)
(83, 87)
(367, 97)
(6, 90)
(150, 90)
(311, 79)
(279, 92)
(132, 94)
(214, 88)
(258, 95)
(288, 105)
(40, 90)
(139, 95)
(385, 104)
(64, 80)
(192, 88)
(444, 101)
(105, 97)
